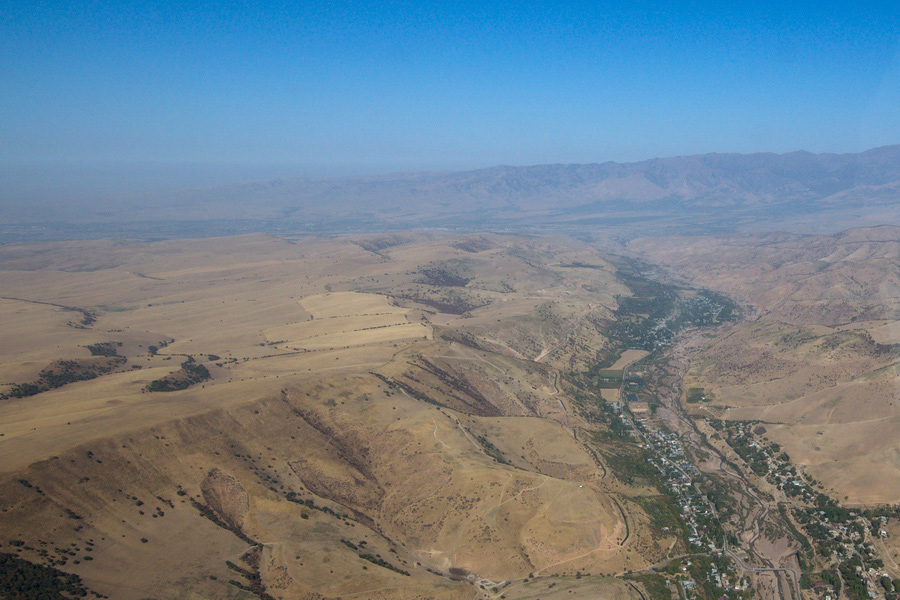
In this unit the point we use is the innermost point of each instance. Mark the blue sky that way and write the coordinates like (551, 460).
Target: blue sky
(346, 87)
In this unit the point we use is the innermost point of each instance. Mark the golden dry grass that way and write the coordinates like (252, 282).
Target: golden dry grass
(557, 588)
(348, 304)
(831, 395)
(628, 357)
(291, 407)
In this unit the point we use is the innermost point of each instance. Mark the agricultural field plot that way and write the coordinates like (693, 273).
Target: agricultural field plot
(608, 378)
(628, 357)
(887, 333)
(347, 319)
(362, 337)
(349, 304)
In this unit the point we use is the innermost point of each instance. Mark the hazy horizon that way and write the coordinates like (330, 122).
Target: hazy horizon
(131, 112)
(65, 181)
(186, 96)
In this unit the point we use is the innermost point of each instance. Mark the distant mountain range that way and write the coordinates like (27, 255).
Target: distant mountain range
(709, 192)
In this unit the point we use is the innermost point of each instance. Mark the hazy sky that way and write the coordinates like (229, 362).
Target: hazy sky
(344, 87)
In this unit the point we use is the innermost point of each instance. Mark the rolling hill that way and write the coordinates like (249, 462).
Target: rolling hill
(380, 417)
(819, 363)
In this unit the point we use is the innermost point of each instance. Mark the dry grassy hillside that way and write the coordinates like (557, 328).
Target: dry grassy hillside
(831, 399)
(803, 280)
(378, 417)
(820, 365)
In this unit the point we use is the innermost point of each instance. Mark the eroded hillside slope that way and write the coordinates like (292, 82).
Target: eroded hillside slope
(381, 417)
(820, 364)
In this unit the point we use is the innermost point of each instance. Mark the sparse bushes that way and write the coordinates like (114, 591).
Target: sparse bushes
(382, 563)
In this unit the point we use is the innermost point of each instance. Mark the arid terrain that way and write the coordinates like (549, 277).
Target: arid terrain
(427, 415)
(819, 363)
(449, 301)
(397, 398)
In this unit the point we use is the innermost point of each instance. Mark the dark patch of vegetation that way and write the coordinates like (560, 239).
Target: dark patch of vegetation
(463, 337)
(856, 588)
(804, 541)
(88, 318)
(376, 245)
(607, 379)
(29, 485)
(654, 584)
(751, 454)
(154, 349)
(451, 304)
(252, 576)
(695, 395)
(209, 513)
(665, 518)
(445, 274)
(310, 503)
(481, 404)
(394, 384)
(581, 265)
(191, 373)
(63, 372)
(655, 312)
(24, 580)
(884, 510)
(491, 450)
(700, 569)
(473, 245)
(629, 463)
(382, 563)
(104, 348)
(828, 577)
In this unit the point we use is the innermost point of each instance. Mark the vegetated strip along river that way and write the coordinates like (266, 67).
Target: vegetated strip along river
(753, 509)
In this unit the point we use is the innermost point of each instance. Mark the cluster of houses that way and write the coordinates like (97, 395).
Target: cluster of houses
(678, 475)
(848, 533)
(845, 533)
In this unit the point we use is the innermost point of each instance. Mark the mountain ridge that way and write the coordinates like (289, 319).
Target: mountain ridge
(697, 180)
(708, 192)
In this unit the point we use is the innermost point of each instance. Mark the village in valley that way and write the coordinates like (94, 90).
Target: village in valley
(838, 552)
